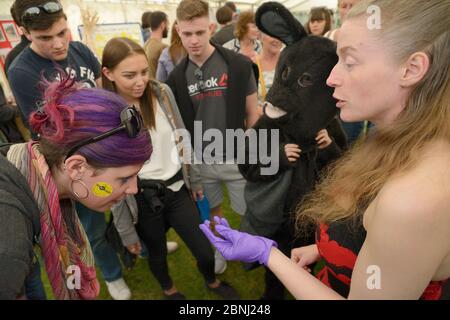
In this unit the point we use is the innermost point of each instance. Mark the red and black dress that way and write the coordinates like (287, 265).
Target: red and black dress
(339, 245)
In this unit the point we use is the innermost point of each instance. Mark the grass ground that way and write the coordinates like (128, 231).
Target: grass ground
(186, 277)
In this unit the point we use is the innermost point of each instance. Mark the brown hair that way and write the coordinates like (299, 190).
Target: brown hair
(224, 15)
(43, 21)
(356, 179)
(115, 51)
(146, 19)
(156, 19)
(244, 19)
(191, 9)
(318, 14)
(176, 49)
(231, 5)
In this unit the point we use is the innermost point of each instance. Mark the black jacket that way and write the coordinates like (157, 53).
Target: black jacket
(239, 68)
(19, 227)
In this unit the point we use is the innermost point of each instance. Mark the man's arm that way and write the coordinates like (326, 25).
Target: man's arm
(27, 95)
(251, 102)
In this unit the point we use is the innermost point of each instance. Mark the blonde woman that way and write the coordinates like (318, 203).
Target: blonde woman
(383, 212)
(267, 61)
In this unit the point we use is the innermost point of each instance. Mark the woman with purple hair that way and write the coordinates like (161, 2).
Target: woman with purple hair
(90, 149)
(167, 185)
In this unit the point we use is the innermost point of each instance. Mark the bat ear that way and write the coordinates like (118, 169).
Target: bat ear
(274, 19)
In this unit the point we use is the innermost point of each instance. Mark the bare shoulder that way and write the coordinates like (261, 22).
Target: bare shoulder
(410, 217)
(423, 192)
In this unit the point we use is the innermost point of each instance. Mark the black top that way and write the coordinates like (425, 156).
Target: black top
(239, 68)
(339, 244)
(24, 42)
(26, 71)
(19, 226)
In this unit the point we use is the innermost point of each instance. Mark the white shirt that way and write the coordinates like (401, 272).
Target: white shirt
(164, 162)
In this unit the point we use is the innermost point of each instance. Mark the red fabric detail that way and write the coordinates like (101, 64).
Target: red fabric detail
(332, 252)
(339, 256)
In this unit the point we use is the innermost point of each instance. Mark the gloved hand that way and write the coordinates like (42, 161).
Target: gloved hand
(237, 245)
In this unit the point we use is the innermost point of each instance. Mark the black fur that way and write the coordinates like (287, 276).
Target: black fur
(300, 90)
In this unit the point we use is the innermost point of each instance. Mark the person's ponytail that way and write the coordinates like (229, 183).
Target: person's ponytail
(49, 120)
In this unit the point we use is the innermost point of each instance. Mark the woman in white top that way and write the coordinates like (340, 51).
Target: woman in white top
(267, 61)
(165, 183)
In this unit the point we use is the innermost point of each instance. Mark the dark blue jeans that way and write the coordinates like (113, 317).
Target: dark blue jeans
(34, 288)
(179, 212)
(105, 256)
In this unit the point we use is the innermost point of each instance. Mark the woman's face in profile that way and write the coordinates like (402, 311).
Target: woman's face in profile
(130, 76)
(107, 186)
(366, 78)
(253, 31)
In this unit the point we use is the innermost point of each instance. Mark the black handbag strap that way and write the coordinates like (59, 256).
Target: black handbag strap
(160, 184)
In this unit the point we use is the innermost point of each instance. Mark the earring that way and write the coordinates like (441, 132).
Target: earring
(76, 193)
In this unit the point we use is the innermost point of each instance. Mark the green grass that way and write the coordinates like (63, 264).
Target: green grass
(186, 277)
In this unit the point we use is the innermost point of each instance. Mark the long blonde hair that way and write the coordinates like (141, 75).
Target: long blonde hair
(354, 181)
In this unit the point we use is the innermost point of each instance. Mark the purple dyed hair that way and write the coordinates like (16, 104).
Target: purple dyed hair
(72, 113)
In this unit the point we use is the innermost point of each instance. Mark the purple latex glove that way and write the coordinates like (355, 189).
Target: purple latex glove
(238, 245)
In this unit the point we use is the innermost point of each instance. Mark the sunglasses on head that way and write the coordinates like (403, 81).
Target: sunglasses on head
(48, 7)
(130, 121)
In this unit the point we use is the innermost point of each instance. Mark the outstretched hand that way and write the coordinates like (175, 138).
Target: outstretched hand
(236, 245)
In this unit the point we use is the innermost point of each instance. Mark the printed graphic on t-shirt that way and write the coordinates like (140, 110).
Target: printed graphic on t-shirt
(84, 75)
(207, 87)
(212, 87)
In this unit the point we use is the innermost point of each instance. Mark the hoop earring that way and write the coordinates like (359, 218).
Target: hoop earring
(75, 193)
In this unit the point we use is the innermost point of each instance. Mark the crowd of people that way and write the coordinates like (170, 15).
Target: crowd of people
(129, 135)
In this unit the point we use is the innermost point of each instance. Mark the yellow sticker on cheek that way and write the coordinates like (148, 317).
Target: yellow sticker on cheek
(102, 189)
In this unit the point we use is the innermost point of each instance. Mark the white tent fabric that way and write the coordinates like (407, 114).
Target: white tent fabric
(130, 11)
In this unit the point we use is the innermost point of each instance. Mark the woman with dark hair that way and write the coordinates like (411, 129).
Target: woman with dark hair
(319, 21)
(90, 149)
(167, 185)
(146, 22)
